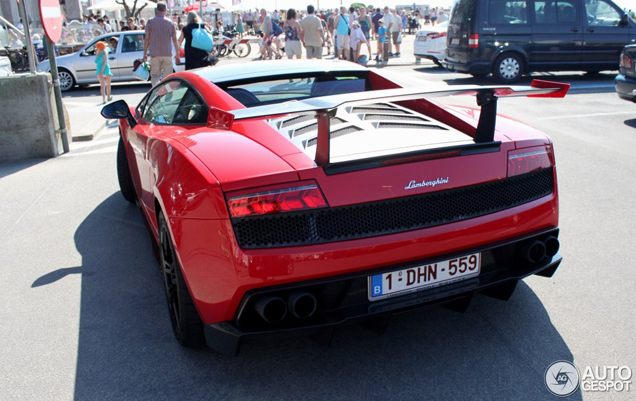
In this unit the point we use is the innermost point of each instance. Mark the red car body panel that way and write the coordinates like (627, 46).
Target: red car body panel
(188, 172)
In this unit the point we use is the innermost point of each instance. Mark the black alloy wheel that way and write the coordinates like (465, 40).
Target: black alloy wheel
(186, 323)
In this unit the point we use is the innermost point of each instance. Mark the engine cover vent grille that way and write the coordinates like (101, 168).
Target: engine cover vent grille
(392, 117)
(413, 126)
(336, 134)
(391, 216)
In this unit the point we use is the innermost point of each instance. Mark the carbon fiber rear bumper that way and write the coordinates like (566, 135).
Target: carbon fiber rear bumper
(343, 299)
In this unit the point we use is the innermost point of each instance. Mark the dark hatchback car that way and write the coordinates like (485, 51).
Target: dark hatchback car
(626, 79)
(509, 38)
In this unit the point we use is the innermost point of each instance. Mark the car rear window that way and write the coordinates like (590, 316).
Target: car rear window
(463, 11)
(507, 12)
(282, 90)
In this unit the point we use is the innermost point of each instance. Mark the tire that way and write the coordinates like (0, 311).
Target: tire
(67, 82)
(123, 174)
(242, 50)
(186, 323)
(508, 68)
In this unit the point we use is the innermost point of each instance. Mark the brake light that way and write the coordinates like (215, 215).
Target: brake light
(626, 61)
(526, 160)
(282, 200)
(435, 35)
(473, 41)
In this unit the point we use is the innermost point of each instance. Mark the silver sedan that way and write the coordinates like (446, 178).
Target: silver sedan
(80, 69)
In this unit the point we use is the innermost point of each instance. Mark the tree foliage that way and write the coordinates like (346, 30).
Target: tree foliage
(358, 5)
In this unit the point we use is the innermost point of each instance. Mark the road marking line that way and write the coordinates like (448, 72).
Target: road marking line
(586, 115)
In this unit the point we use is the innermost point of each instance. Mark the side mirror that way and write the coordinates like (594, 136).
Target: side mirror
(118, 110)
(84, 54)
(624, 20)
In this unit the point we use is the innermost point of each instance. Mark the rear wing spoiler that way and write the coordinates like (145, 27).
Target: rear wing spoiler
(325, 107)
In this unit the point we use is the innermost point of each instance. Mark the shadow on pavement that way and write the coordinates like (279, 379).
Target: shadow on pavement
(631, 123)
(13, 166)
(496, 350)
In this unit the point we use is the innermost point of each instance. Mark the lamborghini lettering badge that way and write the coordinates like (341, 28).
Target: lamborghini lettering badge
(414, 184)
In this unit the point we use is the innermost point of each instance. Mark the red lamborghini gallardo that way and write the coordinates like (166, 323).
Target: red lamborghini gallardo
(291, 197)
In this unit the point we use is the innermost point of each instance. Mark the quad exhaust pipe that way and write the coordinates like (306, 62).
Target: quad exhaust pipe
(273, 309)
(535, 250)
(301, 304)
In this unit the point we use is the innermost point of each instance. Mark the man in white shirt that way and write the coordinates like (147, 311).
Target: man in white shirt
(312, 35)
(395, 30)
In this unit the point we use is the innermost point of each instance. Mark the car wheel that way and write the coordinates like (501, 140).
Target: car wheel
(123, 173)
(186, 323)
(66, 80)
(508, 68)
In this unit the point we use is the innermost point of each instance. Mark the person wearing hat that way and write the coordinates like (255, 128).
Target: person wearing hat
(356, 39)
(103, 70)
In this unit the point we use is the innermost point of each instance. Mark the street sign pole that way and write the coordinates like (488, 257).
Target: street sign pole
(27, 35)
(58, 93)
(51, 17)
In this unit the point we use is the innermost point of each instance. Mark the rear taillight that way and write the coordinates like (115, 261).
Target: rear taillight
(473, 41)
(626, 61)
(280, 200)
(523, 161)
(435, 35)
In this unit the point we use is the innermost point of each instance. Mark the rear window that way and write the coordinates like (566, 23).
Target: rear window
(506, 12)
(463, 11)
(282, 90)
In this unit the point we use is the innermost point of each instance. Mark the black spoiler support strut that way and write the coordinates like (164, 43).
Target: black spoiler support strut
(326, 106)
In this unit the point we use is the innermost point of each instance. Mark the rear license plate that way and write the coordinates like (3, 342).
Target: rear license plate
(422, 38)
(455, 41)
(401, 282)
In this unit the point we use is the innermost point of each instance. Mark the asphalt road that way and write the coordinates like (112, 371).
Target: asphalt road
(84, 315)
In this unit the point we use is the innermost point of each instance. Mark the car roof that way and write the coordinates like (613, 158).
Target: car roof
(264, 69)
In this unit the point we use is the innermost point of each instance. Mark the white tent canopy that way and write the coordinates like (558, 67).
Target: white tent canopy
(111, 5)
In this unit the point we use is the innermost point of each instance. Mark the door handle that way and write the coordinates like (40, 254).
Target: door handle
(574, 29)
(590, 30)
(112, 58)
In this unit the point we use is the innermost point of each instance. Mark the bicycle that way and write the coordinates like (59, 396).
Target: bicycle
(19, 59)
(241, 50)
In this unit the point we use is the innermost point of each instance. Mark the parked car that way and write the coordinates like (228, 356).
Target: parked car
(510, 38)
(289, 198)
(79, 68)
(430, 43)
(626, 79)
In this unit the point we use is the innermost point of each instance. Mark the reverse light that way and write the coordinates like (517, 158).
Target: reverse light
(524, 161)
(435, 35)
(473, 41)
(626, 61)
(292, 199)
